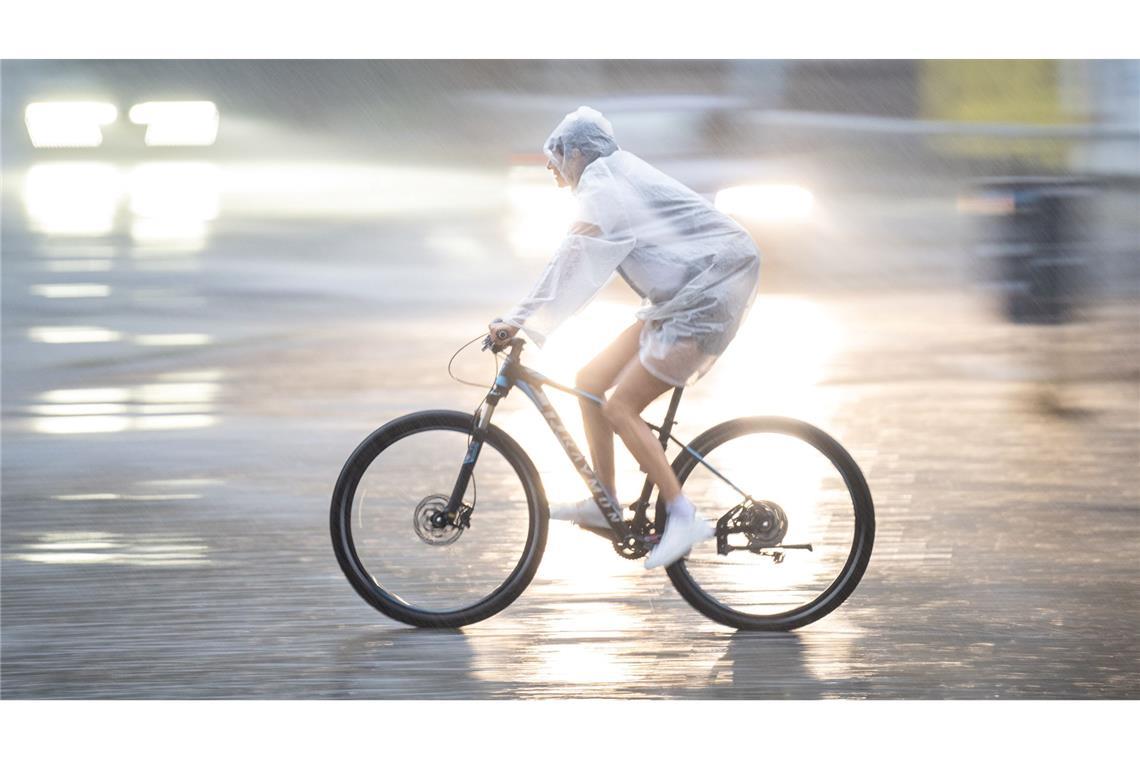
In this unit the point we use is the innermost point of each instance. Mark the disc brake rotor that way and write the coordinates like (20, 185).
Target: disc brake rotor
(432, 523)
(765, 523)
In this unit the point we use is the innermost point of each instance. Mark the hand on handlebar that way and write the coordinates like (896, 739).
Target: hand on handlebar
(499, 334)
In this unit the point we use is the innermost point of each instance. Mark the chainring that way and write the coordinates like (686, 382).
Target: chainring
(632, 548)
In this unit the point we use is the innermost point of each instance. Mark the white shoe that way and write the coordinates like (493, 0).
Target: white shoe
(585, 513)
(681, 534)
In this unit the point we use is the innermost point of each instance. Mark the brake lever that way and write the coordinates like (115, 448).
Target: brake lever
(488, 343)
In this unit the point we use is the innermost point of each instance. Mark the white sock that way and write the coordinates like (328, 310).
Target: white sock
(681, 508)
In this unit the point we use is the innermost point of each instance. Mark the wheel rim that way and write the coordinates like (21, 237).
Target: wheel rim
(406, 559)
(789, 480)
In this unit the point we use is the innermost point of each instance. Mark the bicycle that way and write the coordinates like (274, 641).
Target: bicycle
(410, 486)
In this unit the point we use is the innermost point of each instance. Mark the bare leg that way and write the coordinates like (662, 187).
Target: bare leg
(636, 389)
(597, 377)
(683, 528)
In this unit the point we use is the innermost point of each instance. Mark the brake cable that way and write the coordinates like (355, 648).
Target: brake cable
(475, 414)
(494, 360)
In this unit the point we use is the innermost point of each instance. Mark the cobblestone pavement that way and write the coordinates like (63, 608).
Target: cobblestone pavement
(165, 501)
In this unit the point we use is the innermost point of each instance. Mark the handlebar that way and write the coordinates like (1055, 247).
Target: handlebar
(500, 335)
(516, 342)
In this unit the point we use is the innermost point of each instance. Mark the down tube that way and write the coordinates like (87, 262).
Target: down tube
(535, 394)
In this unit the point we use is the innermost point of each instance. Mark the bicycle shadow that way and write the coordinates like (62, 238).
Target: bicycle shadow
(408, 663)
(760, 665)
(427, 664)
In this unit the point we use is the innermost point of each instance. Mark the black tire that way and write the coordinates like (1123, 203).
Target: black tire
(390, 604)
(863, 534)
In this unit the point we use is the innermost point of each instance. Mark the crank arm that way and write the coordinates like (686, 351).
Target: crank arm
(605, 533)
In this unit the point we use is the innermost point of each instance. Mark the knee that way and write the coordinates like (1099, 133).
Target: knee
(617, 412)
(589, 381)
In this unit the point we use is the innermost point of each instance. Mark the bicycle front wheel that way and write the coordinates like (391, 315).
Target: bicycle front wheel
(392, 545)
(800, 540)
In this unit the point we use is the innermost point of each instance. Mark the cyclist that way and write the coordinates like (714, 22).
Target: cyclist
(696, 271)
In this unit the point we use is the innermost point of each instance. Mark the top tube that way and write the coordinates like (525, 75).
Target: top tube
(513, 365)
(535, 377)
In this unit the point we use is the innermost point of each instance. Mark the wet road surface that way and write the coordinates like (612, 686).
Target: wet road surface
(171, 441)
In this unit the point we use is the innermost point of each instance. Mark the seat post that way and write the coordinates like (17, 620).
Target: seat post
(667, 423)
(663, 436)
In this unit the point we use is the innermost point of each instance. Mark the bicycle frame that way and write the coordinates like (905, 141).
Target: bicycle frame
(512, 373)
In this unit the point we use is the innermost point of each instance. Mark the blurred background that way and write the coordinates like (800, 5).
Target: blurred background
(883, 149)
(218, 276)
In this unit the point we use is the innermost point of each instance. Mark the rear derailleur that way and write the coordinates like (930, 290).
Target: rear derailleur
(763, 523)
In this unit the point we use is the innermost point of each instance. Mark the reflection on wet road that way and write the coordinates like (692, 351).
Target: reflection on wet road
(175, 401)
(175, 415)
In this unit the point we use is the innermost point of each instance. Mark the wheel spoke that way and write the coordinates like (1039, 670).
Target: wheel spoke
(799, 496)
(415, 560)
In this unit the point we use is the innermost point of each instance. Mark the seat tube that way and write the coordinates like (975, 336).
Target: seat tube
(667, 424)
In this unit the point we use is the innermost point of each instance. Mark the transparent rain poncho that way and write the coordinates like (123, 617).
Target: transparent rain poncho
(695, 269)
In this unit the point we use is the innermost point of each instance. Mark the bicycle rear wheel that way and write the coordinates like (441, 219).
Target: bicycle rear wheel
(421, 572)
(805, 490)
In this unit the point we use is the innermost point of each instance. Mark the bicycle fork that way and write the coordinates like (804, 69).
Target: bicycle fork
(455, 508)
